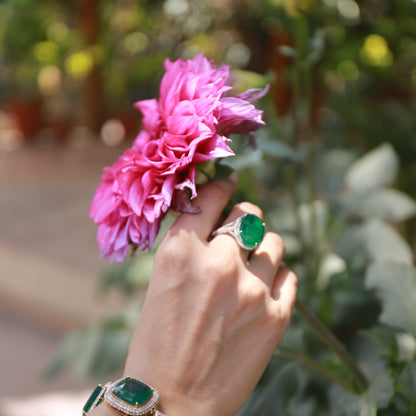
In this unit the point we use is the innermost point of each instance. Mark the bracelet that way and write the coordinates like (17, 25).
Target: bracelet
(127, 396)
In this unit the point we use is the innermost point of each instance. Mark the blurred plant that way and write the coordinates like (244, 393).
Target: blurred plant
(332, 173)
(33, 42)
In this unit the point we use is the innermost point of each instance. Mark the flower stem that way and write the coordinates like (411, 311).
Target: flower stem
(329, 338)
(297, 356)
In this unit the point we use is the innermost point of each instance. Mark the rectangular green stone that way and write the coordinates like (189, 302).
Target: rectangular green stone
(96, 392)
(133, 391)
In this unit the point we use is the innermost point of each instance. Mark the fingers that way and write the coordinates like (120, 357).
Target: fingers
(266, 260)
(243, 208)
(212, 199)
(284, 289)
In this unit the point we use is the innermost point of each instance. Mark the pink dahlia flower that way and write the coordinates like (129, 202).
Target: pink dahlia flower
(188, 124)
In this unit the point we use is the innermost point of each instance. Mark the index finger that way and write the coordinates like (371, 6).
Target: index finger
(212, 199)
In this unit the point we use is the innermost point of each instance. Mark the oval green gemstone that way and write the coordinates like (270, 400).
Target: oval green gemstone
(251, 230)
(132, 391)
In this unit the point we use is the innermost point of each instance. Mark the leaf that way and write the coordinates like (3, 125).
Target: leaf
(375, 169)
(140, 271)
(395, 284)
(313, 216)
(405, 398)
(406, 344)
(275, 148)
(98, 350)
(222, 171)
(283, 394)
(370, 357)
(244, 80)
(387, 204)
(383, 337)
(131, 274)
(247, 159)
(66, 351)
(88, 348)
(374, 240)
(111, 353)
(331, 168)
(330, 265)
(380, 391)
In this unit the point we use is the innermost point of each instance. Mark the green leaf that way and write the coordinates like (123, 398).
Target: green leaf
(98, 350)
(132, 273)
(247, 159)
(387, 204)
(283, 394)
(244, 80)
(275, 148)
(406, 344)
(111, 353)
(313, 216)
(370, 356)
(405, 399)
(330, 265)
(380, 391)
(331, 168)
(383, 337)
(140, 271)
(222, 171)
(88, 349)
(395, 284)
(372, 241)
(66, 351)
(377, 168)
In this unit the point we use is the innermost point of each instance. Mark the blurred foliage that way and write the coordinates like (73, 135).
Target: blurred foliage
(334, 170)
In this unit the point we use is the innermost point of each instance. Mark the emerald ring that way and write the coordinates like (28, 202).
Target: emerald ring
(247, 230)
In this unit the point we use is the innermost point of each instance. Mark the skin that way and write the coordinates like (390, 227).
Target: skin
(213, 314)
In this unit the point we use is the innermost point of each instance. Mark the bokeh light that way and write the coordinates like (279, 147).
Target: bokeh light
(46, 51)
(79, 64)
(348, 70)
(238, 55)
(376, 52)
(176, 7)
(49, 80)
(112, 132)
(11, 140)
(135, 42)
(58, 31)
(348, 9)
(334, 81)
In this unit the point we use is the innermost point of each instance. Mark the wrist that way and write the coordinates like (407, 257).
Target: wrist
(102, 411)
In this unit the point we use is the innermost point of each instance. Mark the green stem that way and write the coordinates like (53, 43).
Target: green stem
(291, 173)
(297, 356)
(329, 338)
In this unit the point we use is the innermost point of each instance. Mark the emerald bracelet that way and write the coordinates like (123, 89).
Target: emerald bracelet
(127, 396)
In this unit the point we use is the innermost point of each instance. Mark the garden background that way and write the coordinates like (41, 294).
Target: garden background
(334, 170)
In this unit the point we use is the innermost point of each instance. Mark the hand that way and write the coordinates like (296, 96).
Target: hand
(212, 316)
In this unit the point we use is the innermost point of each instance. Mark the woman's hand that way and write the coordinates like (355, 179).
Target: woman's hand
(213, 315)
